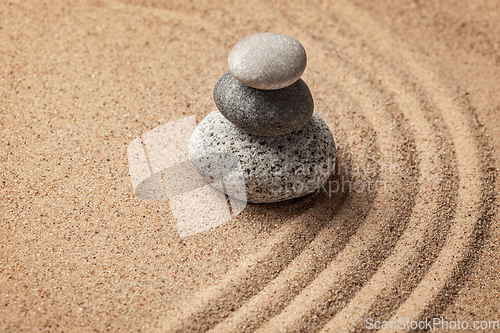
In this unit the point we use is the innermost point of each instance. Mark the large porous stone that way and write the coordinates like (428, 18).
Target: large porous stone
(264, 112)
(273, 168)
(267, 60)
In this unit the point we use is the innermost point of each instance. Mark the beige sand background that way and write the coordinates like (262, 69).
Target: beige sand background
(410, 90)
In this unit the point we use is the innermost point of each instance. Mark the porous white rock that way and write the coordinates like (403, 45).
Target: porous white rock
(267, 60)
(275, 168)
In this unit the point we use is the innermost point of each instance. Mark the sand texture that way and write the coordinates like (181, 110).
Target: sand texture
(410, 90)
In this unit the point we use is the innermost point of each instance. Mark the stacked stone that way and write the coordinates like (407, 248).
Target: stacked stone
(265, 130)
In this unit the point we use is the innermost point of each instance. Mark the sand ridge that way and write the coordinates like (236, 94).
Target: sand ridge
(416, 134)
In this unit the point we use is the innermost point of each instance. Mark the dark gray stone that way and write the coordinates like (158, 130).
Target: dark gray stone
(275, 168)
(267, 60)
(264, 112)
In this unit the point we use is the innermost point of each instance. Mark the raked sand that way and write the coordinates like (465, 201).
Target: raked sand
(410, 91)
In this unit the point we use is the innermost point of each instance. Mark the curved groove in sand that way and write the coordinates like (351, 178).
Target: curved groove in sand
(301, 271)
(372, 274)
(405, 266)
(345, 275)
(373, 231)
(208, 307)
(80, 251)
(461, 235)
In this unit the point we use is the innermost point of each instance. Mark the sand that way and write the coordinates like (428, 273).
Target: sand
(408, 88)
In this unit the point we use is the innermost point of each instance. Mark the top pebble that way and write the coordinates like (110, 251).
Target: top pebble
(267, 61)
